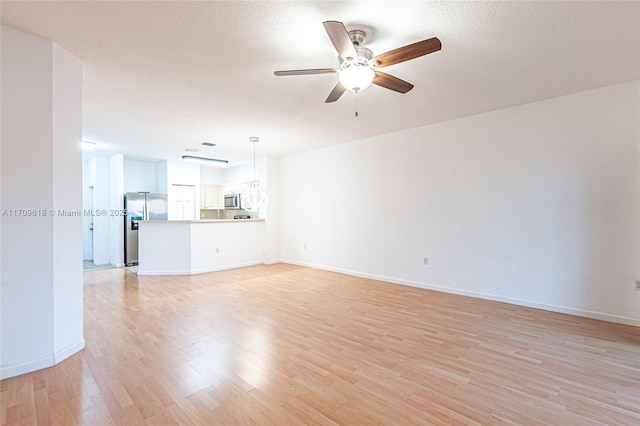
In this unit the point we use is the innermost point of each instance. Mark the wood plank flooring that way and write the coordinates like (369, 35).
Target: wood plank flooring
(287, 345)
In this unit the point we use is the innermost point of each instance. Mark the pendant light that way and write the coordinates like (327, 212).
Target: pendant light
(254, 198)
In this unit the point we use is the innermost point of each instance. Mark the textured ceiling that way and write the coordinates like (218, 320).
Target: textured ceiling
(160, 77)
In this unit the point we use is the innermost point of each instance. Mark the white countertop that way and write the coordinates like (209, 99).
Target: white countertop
(203, 221)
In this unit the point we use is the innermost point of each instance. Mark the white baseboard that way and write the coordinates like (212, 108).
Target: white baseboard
(68, 351)
(487, 296)
(167, 272)
(116, 265)
(26, 367)
(200, 270)
(223, 267)
(40, 363)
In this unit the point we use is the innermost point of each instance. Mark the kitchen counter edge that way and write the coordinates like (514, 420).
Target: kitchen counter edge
(203, 221)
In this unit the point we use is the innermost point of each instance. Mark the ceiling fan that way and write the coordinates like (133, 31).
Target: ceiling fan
(359, 68)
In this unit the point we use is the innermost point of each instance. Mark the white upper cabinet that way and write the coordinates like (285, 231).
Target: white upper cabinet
(211, 197)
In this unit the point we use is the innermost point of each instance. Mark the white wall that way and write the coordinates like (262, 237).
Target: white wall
(238, 174)
(41, 290)
(209, 176)
(271, 184)
(101, 203)
(161, 177)
(182, 173)
(140, 176)
(116, 189)
(66, 186)
(245, 172)
(537, 204)
(179, 173)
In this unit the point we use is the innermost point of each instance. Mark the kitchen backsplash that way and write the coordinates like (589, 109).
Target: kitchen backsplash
(226, 214)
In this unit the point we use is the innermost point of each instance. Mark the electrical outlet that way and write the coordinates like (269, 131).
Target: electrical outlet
(637, 286)
(217, 249)
(305, 246)
(425, 261)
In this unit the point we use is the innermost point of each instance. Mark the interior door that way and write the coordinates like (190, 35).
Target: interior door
(87, 224)
(90, 223)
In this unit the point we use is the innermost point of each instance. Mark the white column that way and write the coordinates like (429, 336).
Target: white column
(117, 203)
(41, 251)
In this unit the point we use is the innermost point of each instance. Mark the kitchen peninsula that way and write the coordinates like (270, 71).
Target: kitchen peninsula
(186, 247)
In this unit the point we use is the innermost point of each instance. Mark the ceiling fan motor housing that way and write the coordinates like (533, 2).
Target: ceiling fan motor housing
(364, 53)
(357, 37)
(364, 56)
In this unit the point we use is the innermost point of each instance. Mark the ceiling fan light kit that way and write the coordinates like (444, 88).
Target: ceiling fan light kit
(358, 66)
(356, 77)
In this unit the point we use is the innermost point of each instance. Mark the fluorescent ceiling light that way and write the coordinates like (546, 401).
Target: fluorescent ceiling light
(203, 159)
(87, 145)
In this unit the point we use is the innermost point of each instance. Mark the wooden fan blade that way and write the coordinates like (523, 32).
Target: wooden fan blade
(392, 83)
(335, 93)
(410, 51)
(340, 39)
(306, 72)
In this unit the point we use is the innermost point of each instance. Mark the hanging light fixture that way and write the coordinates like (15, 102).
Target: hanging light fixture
(254, 198)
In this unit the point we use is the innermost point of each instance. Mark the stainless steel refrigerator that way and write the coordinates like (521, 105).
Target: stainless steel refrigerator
(140, 206)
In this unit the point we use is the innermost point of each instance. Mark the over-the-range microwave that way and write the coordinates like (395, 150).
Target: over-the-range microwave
(232, 201)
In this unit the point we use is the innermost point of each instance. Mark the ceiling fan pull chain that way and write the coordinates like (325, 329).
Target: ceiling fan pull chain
(356, 104)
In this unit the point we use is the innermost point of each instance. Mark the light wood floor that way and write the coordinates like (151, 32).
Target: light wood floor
(287, 345)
